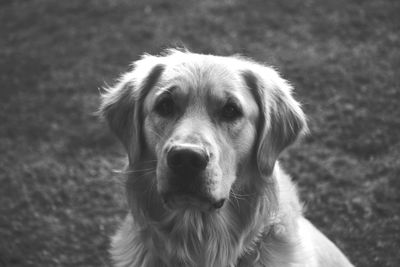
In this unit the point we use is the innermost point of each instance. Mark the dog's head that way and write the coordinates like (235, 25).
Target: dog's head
(208, 123)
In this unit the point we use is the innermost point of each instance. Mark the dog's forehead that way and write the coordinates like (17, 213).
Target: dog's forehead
(203, 80)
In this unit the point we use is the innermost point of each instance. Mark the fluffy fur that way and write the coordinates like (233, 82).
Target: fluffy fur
(261, 223)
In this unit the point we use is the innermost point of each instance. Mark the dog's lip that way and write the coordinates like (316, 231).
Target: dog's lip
(190, 201)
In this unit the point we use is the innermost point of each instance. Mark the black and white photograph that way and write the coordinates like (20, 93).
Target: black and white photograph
(199, 133)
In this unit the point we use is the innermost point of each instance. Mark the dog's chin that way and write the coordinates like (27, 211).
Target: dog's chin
(189, 202)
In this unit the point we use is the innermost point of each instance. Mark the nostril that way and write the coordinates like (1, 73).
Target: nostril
(199, 161)
(219, 204)
(175, 159)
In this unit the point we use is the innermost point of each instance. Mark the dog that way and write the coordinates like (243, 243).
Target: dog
(203, 183)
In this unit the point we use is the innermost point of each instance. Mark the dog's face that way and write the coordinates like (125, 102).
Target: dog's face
(200, 124)
(208, 123)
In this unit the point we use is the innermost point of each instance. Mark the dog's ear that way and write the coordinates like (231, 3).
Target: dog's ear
(282, 120)
(121, 105)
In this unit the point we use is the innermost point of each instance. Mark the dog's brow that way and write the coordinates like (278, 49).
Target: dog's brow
(166, 90)
(229, 97)
(232, 99)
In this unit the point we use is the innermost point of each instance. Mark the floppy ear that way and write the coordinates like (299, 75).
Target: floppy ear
(121, 105)
(281, 120)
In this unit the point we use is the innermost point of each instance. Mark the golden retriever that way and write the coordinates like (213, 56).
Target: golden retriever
(204, 187)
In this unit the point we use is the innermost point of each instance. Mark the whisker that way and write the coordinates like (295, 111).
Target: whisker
(139, 170)
(235, 197)
(147, 173)
(144, 162)
(150, 160)
(241, 195)
(157, 134)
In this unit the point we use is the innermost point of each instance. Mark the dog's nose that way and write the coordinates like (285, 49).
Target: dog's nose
(187, 160)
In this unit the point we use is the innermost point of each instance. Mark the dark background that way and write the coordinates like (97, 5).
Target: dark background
(59, 196)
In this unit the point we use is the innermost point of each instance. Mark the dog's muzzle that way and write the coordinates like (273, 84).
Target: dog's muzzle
(187, 179)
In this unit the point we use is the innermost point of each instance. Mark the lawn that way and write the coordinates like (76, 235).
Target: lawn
(60, 196)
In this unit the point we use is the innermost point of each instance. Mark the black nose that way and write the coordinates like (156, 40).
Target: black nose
(187, 160)
(218, 204)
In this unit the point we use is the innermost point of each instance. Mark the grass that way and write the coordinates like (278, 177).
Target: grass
(59, 196)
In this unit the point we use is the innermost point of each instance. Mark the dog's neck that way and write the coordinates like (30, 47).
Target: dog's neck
(195, 238)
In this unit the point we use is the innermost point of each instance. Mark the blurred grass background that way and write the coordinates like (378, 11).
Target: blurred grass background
(59, 197)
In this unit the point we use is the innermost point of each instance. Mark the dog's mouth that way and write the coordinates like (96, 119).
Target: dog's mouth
(186, 201)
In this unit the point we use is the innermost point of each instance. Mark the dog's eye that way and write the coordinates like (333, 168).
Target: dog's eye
(231, 112)
(165, 107)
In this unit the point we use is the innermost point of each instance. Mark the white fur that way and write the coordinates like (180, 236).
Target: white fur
(262, 222)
